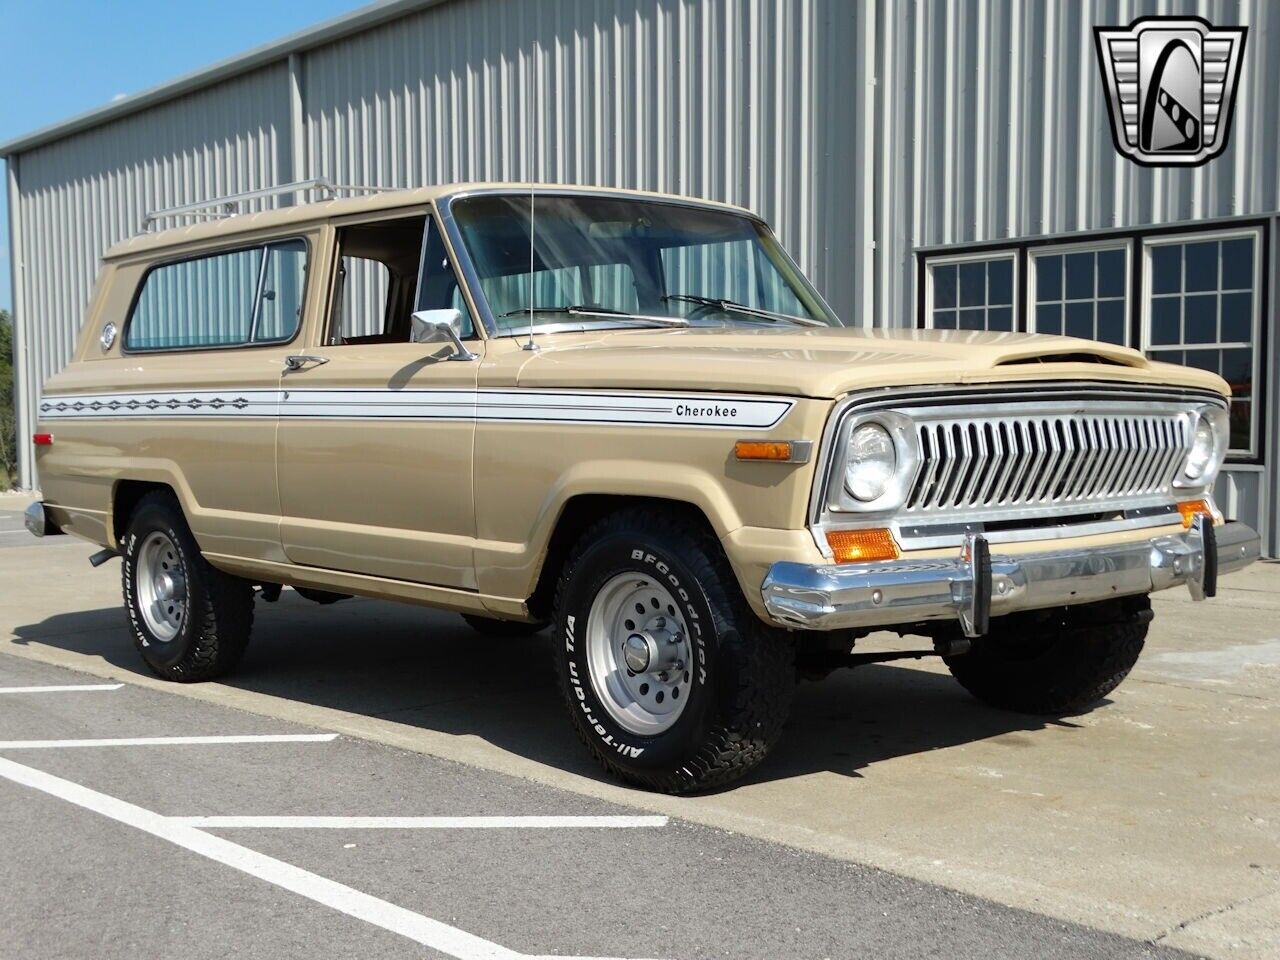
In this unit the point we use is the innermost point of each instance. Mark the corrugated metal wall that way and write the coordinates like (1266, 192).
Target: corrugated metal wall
(751, 102)
(992, 123)
(79, 195)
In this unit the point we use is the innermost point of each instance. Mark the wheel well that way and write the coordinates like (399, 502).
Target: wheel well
(577, 516)
(123, 500)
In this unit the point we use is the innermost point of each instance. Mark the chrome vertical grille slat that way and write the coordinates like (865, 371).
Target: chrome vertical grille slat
(1036, 461)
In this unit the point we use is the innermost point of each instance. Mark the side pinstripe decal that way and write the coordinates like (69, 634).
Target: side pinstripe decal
(741, 412)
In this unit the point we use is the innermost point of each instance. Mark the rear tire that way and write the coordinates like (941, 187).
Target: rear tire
(715, 686)
(190, 622)
(503, 629)
(1057, 662)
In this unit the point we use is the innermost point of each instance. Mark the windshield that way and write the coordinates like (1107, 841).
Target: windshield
(607, 261)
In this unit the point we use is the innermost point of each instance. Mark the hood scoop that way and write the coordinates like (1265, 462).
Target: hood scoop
(1106, 355)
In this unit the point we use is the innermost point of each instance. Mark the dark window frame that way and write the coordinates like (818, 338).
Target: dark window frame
(1136, 281)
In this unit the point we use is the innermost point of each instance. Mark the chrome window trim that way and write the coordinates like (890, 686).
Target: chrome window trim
(1025, 397)
(489, 325)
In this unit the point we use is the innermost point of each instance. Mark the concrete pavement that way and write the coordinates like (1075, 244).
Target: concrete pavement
(1154, 817)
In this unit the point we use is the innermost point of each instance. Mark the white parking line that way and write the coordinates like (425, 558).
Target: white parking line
(413, 926)
(63, 689)
(420, 823)
(167, 741)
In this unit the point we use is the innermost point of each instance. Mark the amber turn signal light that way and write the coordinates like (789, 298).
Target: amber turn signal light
(779, 450)
(1190, 508)
(849, 546)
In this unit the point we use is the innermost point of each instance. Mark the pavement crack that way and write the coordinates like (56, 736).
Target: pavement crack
(1210, 914)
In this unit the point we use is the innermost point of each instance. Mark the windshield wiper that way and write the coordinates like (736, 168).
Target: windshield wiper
(588, 310)
(731, 306)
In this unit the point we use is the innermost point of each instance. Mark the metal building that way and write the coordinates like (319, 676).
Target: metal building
(903, 150)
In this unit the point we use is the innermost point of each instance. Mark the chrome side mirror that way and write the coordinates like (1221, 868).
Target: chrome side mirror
(440, 326)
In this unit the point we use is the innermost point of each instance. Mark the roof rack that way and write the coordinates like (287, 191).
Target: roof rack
(228, 206)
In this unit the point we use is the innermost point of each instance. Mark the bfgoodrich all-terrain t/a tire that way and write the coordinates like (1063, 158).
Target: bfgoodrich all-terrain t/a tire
(670, 679)
(1055, 662)
(190, 622)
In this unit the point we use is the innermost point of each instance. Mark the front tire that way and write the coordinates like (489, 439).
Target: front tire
(190, 621)
(671, 680)
(1055, 662)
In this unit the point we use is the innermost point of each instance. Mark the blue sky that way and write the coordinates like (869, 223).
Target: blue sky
(63, 57)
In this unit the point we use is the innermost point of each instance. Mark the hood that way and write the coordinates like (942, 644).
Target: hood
(829, 362)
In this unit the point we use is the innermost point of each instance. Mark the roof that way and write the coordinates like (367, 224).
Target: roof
(326, 32)
(307, 213)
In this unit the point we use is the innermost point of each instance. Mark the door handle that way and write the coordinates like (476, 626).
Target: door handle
(300, 361)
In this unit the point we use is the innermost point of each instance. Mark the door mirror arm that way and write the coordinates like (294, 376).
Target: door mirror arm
(441, 326)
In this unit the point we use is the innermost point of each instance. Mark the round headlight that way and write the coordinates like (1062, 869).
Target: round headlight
(1208, 445)
(872, 462)
(1203, 445)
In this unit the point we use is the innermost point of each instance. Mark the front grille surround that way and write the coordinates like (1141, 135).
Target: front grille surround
(1031, 452)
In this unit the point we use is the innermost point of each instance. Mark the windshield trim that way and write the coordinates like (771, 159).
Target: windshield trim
(488, 324)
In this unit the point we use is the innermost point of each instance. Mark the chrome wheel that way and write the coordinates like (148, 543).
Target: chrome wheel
(161, 586)
(639, 654)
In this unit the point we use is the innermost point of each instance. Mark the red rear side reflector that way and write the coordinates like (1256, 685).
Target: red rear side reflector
(42, 439)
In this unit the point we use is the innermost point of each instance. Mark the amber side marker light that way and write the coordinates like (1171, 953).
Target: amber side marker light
(42, 439)
(1191, 508)
(778, 450)
(849, 546)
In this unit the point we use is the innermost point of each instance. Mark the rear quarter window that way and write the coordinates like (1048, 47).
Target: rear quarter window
(235, 298)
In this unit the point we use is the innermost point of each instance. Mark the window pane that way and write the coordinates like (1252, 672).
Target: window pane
(973, 284)
(1079, 276)
(365, 287)
(1167, 356)
(1241, 425)
(1204, 359)
(1165, 320)
(1111, 273)
(1049, 318)
(613, 285)
(972, 319)
(1000, 282)
(1237, 264)
(1048, 278)
(1201, 316)
(1237, 370)
(1201, 263)
(1237, 318)
(438, 287)
(944, 286)
(944, 319)
(1111, 321)
(1080, 319)
(280, 309)
(1000, 318)
(1166, 269)
(196, 303)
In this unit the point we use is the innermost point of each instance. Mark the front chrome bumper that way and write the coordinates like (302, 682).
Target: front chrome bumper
(970, 588)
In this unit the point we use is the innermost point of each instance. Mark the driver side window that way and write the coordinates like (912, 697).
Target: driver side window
(376, 287)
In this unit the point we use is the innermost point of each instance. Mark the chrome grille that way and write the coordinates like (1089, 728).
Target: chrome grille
(1001, 462)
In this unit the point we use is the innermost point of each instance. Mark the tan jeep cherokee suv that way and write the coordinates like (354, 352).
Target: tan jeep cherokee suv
(631, 418)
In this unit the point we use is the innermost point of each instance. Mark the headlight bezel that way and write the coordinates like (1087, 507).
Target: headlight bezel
(1218, 419)
(902, 434)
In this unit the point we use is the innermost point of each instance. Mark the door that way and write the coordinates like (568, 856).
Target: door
(375, 441)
